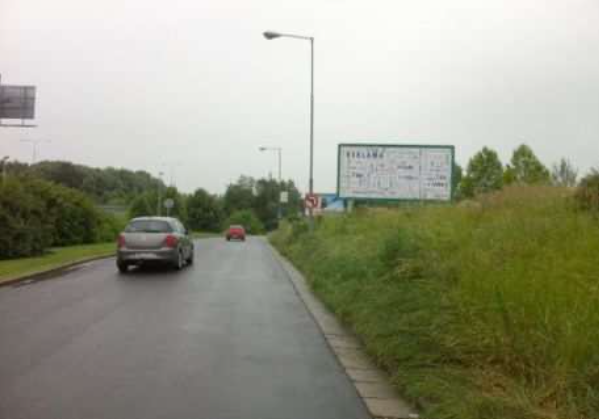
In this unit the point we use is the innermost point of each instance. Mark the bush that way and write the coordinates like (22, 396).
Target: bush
(73, 215)
(110, 227)
(248, 220)
(36, 214)
(485, 311)
(587, 193)
(24, 228)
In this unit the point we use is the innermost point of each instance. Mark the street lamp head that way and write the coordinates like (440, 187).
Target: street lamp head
(271, 35)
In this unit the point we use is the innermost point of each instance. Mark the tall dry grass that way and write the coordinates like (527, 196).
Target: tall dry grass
(483, 310)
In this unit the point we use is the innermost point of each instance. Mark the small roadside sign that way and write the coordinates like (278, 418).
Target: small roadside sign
(284, 197)
(312, 201)
(169, 203)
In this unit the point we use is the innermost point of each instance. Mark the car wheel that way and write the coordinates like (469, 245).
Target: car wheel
(179, 262)
(123, 267)
(190, 260)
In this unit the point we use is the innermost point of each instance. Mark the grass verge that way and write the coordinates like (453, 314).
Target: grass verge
(481, 311)
(53, 258)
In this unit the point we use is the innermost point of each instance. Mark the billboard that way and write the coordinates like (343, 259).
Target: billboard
(395, 172)
(17, 102)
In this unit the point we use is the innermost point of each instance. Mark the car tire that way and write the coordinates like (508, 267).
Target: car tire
(190, 260)
(179, 262)
(123, 267)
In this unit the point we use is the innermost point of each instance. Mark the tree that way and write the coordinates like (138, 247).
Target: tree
(247, 218)
(483, 174)
(146, 204)
(456, 180)
(587, 192)
(143, 205)
(240, 195)
(527, 168)
(204, 211)
(564, 174)
(109, 185)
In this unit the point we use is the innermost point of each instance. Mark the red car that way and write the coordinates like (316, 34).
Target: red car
(236, 232)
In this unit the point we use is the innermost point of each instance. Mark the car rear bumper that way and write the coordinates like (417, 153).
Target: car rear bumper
(141, 255)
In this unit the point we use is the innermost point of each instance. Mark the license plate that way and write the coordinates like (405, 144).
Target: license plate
(144, 256)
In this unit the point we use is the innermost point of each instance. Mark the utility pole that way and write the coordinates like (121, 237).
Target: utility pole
(34, 144)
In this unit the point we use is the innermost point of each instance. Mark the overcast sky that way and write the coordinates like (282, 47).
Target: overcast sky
(192, 85)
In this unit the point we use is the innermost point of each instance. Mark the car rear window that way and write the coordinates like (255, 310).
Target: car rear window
(236, 227)
(149, 226)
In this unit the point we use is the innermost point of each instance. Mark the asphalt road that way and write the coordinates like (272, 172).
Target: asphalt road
(227, 338)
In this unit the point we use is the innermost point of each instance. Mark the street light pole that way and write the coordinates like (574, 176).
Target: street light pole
(34, 144)
(158, 206)
(273, 35)
(311, 118)
(279, 151)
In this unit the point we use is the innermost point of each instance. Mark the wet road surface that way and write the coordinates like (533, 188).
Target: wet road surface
(227, 338)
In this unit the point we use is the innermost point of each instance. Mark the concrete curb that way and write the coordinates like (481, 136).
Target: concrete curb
(51, 272)
(372, 384)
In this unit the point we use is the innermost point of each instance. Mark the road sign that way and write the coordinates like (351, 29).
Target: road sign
(284, 197)
(17, 102)
(312, 201)
(169, 203)
(395, 172)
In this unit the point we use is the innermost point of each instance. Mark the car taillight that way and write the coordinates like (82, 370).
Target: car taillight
(171, 241)
(121, 241)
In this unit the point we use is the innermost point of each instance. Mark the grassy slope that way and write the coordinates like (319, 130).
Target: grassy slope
(54, 258)
(483, 311)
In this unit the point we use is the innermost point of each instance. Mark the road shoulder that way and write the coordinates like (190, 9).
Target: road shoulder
(372, 384)
(51, 272)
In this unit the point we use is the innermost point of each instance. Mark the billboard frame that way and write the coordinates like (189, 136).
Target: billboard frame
(22, 124)
(407, 200)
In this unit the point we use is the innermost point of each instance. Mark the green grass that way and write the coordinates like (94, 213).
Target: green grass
(484, 310)
(53, 258)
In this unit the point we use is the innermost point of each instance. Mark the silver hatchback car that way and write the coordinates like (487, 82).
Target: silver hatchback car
(154, 239)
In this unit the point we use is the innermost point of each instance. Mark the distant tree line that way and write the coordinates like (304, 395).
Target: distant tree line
(485, 172)
(251, 202)
(104, 186)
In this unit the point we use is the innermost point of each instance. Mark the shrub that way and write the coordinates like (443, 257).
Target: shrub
(73, 215)
(24, 228)
(110, 227)
(587, 193)
(36, 214)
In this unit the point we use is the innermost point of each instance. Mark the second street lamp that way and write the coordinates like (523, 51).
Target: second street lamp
(273, 35)
(279, 151)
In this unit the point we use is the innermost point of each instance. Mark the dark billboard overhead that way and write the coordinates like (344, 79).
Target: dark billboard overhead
(17, 102)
